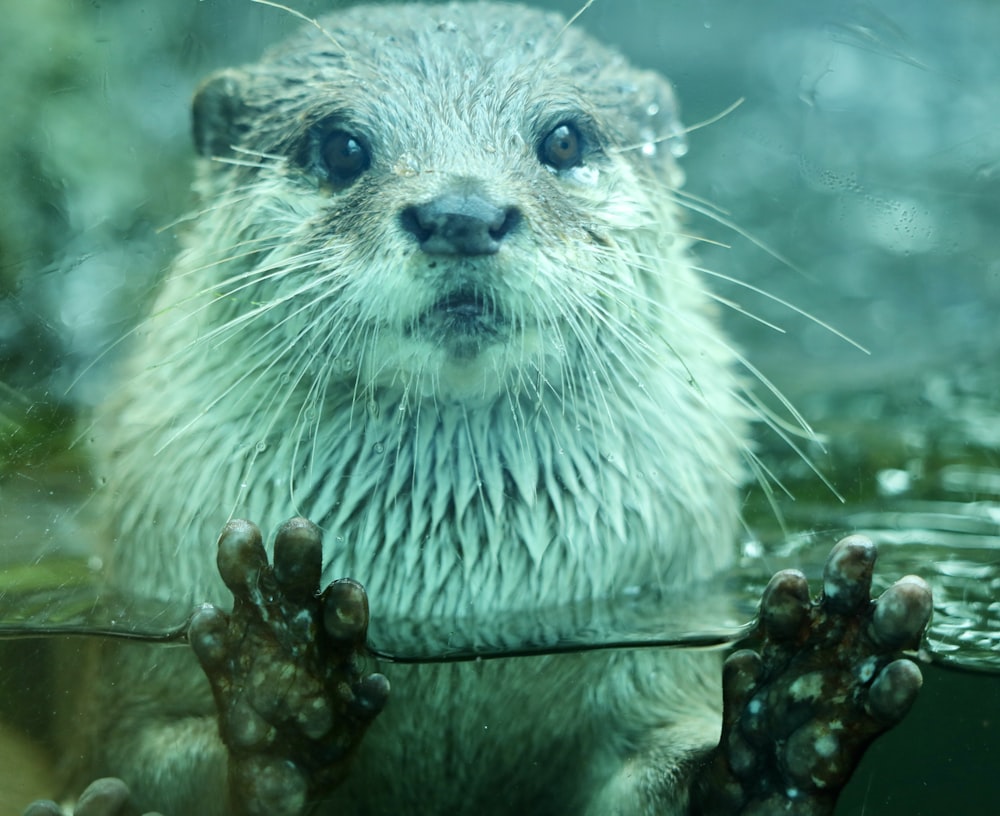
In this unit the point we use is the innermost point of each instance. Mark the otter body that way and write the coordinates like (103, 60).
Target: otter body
(437, 300)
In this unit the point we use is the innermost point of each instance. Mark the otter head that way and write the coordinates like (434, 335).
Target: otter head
(451, 201)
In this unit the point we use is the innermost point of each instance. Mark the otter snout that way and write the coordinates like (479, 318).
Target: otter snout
(464, 223)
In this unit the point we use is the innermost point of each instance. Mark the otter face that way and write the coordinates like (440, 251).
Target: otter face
(459, 204)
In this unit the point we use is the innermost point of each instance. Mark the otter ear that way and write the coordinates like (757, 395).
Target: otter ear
(218, 109)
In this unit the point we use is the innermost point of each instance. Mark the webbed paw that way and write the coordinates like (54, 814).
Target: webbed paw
(825, 680)
(286, 669)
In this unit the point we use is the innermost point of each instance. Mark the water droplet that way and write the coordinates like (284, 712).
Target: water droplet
(892, 482)
(678, 143)
(587, 176)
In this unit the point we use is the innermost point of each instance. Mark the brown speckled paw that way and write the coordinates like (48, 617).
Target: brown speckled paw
(824, 680)
(286, 668)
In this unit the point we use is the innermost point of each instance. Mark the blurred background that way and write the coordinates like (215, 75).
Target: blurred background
(858, 181)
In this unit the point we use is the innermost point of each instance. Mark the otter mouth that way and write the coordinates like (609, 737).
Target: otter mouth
(464, 320)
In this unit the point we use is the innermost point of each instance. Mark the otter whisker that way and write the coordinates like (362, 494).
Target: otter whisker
(718, 117)
(235, 162)
(576, 16)
(787, 304)
(307, 19)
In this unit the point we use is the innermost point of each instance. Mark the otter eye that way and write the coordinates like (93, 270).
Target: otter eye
(344, 157)
(562, 148)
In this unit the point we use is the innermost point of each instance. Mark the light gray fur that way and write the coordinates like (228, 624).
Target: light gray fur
(598, 448)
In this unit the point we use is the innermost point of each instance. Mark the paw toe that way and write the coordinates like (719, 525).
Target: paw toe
(275, 787)
(345, 611)
(42, 808)
(105, 797)
(207, 634)
(241, 557)
(298, 557)
(895, 688)
(847, 576)
(784, 607)
(902, 613)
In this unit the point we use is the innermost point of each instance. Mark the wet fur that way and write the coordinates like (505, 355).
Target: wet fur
(295, 364)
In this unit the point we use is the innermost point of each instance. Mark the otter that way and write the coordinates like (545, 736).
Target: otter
(439, 300)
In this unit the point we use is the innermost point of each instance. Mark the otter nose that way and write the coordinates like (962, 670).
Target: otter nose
(459, 224)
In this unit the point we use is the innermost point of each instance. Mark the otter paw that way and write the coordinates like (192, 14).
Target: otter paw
(286, 669)
(105, 797)
(825, 679)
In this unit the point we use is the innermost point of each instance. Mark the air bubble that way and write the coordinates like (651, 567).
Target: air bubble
(678, 142)
(893, 482)
(586, 176)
